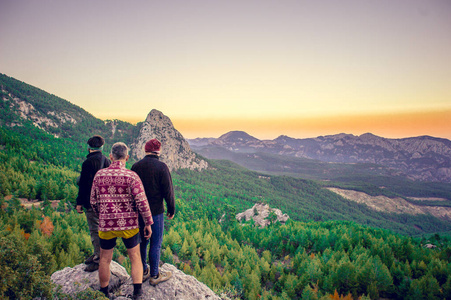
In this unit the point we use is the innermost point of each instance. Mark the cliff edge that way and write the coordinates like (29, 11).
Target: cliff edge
(181, 286)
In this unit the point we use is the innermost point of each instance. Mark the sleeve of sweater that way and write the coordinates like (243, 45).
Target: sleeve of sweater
(168, 190)
(140, 198)
(94, 195)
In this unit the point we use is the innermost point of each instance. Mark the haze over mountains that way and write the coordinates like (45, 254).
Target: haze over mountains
(422, 158)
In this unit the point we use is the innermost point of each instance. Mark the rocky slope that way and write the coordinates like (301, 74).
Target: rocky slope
(175, 152)
(72, 281)
(21, 103)
(396, 205)
(418, 158)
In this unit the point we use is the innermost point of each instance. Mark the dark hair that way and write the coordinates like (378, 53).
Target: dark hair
(96, 141)
(119, 151)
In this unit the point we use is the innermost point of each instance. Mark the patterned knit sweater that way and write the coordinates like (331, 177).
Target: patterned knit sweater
(117, 196)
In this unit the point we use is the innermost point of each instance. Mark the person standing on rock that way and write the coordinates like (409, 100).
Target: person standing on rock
(94, 162)
(118, 198)
(157, 182)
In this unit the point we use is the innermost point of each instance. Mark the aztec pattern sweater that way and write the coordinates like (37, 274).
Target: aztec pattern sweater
(117, 196)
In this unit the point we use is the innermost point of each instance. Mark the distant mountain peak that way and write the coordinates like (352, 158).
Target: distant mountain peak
(237, 134)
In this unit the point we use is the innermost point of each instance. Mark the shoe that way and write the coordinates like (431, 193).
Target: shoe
(90, 260)
(162, 276)
(92, 267)
(146, 274)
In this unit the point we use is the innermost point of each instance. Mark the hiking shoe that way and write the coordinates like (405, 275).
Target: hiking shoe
(89, 260)
(92, 267)
(162, 276)
(146, 273)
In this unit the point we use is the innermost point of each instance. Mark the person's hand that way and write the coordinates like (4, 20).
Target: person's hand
(170, 217)
(79, 209)
(147, 232)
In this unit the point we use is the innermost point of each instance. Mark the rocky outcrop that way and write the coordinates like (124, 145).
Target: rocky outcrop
(421, 158)
(175, 152)
(261, 214)
(71, 281)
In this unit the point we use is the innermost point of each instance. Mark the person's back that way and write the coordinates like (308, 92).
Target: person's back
(157, 181)
(120, 190)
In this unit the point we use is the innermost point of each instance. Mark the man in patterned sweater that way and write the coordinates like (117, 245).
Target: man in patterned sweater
(118, 197)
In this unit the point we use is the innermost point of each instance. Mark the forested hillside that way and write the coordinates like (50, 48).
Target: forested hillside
(310, 257)
(21, 103)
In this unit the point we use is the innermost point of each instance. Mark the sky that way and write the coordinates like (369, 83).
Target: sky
(297, 68)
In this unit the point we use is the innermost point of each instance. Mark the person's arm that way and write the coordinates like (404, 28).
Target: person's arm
(84, 185)
(94, 196)
(168, 192)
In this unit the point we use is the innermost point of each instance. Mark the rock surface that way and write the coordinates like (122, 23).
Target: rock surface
(260, 214)
(180, 286)
(175, 152)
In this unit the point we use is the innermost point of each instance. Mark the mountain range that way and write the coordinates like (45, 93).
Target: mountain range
(421, 158)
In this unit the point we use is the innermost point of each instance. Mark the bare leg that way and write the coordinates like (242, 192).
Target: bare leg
(104, 266)
(137, 266)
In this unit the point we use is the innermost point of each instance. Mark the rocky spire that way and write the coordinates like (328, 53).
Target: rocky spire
(175, 150)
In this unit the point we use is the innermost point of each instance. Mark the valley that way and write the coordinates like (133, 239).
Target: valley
(355, 229)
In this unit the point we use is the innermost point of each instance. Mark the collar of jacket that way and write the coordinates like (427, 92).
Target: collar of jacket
(152, 155)
(94, 154)
(117, 165)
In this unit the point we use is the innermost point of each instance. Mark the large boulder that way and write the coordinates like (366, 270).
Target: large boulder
(260, 213)
(181, 286)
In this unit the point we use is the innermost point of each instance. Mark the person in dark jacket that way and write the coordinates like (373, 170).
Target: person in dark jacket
(94, 162)
(157, 181)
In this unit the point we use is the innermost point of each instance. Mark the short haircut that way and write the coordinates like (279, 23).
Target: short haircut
(119, 151)
(96, 141)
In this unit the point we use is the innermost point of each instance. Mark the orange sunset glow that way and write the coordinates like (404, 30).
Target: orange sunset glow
(270, 68)
(391, 126)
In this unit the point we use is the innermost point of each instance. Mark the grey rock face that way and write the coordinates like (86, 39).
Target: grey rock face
(180, 286)
(175, 152)
(74, 280)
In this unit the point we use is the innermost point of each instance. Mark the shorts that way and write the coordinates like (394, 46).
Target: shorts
(129, 243)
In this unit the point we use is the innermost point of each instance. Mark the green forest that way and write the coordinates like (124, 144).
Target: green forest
(330, 248)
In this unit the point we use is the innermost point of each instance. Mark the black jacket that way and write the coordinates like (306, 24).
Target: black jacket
(157, 182)
(89, 168)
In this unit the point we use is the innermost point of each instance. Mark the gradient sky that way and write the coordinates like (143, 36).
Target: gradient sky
(300, 68)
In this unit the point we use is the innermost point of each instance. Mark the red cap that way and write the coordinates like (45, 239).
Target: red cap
(153, 145)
